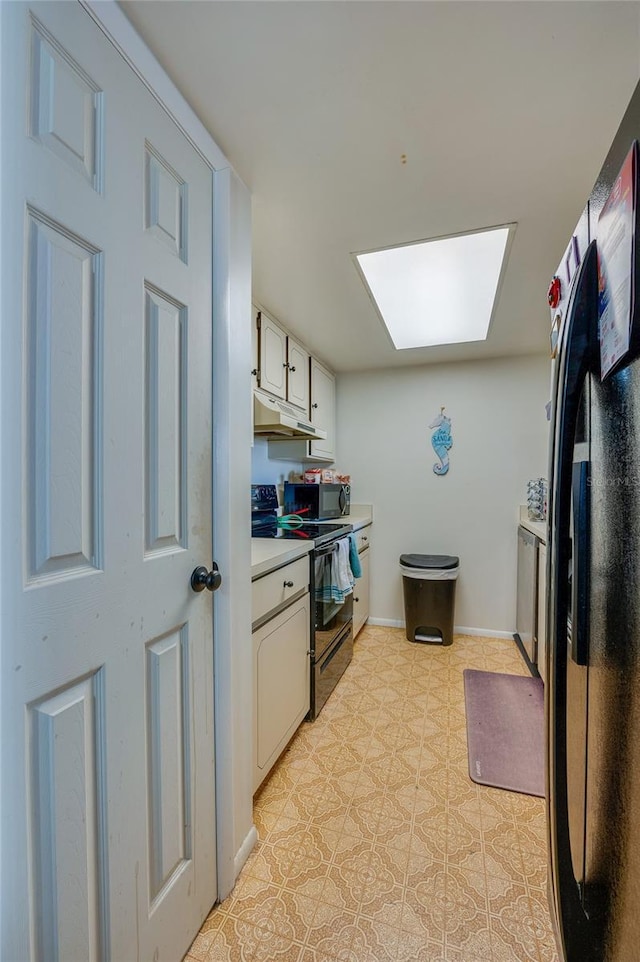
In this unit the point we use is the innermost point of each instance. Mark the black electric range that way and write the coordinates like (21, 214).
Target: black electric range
(331, 629)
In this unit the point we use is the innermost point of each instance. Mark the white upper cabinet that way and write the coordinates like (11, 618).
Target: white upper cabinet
(283, 364)
(297, 374)
(272, 368)
(284, 368)
(323, 410)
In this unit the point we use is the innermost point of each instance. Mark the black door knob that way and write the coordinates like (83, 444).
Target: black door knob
(201, 578)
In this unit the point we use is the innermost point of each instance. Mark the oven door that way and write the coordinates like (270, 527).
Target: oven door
(327, 672)
(329, 616)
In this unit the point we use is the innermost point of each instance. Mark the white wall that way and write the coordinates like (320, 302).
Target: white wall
(500, 437)
(269, 471)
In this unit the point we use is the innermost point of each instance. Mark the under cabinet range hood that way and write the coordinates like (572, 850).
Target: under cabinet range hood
(276, 419)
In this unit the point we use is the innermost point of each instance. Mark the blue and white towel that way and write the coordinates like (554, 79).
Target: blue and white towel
(354, 558)
(338, 580)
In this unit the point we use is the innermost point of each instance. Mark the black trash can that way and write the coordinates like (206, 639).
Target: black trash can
(429, 586)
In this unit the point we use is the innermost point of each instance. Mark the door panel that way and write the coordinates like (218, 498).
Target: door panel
(168, 757)
(165, 427)
(107, 706)
(65, 105)
(69, 806)
(63, 312)
(165, 203)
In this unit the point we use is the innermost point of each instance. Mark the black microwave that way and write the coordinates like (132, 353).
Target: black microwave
(317, 501)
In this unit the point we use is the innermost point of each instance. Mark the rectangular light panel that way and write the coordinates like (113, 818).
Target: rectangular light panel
(440, 291)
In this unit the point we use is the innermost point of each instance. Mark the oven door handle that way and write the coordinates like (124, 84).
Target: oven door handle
(326, 549)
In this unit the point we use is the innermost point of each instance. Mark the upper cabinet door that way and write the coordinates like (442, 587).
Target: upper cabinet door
(298, 375)
(273, 357)
(323, 410)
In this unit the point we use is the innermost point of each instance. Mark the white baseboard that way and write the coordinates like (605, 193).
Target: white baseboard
(245, 850)
(482, 632)
(458, 629)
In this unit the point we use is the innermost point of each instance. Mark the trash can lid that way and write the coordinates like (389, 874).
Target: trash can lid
(429, 561)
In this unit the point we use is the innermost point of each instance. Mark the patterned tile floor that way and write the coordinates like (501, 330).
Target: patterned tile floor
(375, 845)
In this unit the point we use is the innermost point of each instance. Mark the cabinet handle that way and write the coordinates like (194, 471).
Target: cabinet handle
(314, 405)
(292, 367)
(356, 600)
(256, 372)
(288, 584)
(284, 364)
(364, 537)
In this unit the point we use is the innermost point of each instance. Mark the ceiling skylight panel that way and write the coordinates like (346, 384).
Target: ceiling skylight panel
(440, 291)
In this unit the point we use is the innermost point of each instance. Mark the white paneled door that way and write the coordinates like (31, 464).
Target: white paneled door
(107, 802)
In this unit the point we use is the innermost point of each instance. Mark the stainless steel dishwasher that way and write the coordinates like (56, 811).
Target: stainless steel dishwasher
(526, 607)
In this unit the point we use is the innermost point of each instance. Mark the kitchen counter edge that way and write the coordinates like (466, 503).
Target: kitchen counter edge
(539, 528)
(267, 554)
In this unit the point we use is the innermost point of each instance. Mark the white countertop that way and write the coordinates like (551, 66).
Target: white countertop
(539, 528)
(267, 554)
(360, 516)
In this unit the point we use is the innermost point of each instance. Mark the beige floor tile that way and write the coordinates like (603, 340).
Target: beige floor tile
(311, 955)
(375, 845)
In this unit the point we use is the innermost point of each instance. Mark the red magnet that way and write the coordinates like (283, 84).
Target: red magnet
(555, 290)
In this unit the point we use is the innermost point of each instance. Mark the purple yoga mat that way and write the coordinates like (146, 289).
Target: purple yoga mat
(505, 730)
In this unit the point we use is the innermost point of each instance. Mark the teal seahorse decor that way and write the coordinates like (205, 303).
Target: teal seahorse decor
(441, 441)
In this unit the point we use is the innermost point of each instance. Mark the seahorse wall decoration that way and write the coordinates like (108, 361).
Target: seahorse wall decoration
(441, 441)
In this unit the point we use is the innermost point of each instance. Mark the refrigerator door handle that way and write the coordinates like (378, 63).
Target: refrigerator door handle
(579, 640)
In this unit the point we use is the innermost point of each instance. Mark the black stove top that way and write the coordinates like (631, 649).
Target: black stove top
(318, 533)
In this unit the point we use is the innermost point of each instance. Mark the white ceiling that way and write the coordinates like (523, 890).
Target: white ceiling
(505, 112)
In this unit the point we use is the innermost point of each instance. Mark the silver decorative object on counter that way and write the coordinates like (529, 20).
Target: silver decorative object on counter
(537, 499)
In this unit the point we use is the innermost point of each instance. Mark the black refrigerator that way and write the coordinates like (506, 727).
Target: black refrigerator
(592, 697)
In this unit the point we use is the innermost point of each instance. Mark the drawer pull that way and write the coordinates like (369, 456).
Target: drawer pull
(364, 537)
(288, 584)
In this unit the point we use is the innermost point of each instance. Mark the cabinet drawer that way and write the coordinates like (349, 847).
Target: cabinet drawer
(363, 538)
(273, 590)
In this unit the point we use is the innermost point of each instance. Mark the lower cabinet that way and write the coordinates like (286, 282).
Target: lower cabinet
(361, 589)
(281, 672)
(361, 594)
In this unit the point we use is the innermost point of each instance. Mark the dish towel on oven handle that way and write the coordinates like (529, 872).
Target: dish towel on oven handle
(338, 579)
(354, 558)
